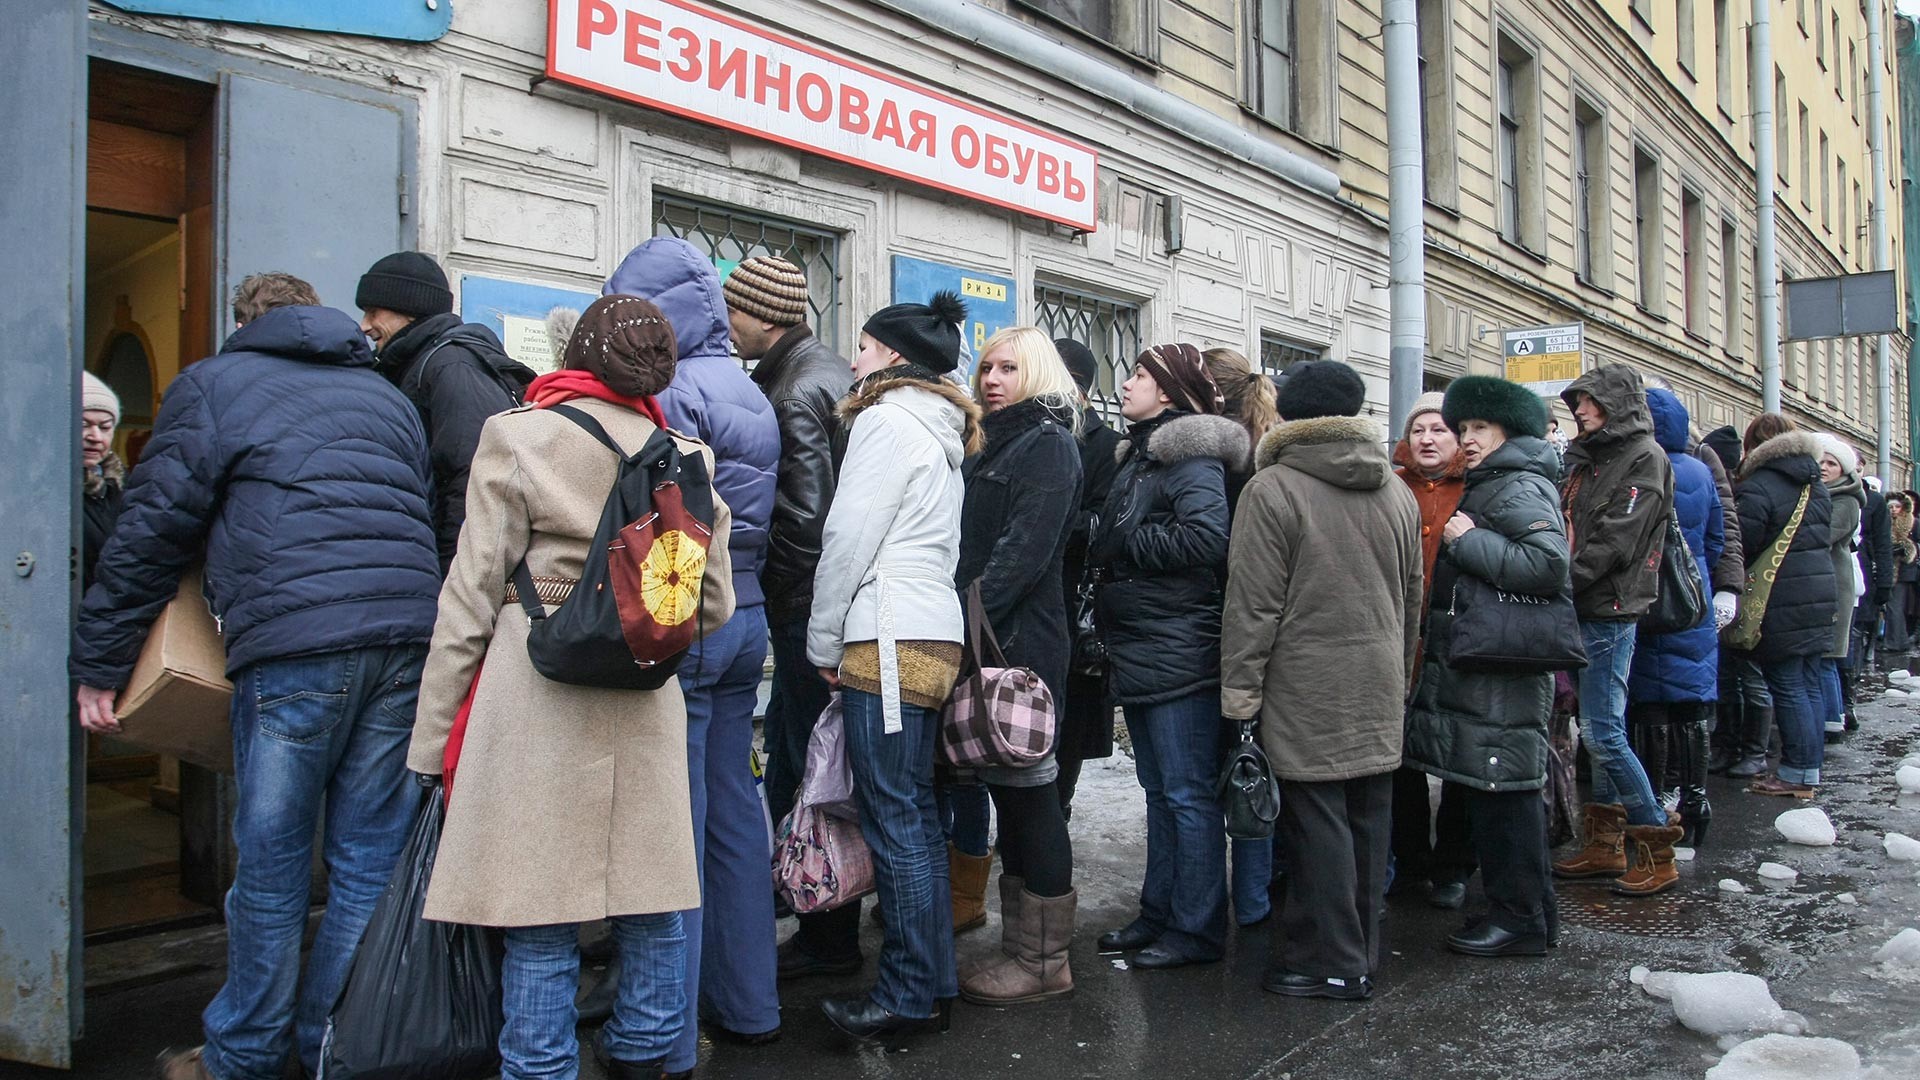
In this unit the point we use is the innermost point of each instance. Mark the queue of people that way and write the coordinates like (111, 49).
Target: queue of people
(1247, 551)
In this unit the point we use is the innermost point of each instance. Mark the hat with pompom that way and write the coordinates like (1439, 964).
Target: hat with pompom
(927, 335)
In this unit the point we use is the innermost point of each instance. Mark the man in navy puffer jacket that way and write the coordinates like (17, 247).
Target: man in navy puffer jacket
(301, 477)
(712, 398)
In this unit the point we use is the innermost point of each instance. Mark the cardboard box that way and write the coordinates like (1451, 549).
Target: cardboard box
(176, 701)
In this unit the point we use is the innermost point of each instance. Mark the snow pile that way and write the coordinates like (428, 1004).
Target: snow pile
(1808, 825)
(1727, 884)
(1638, 976)
(1659, 984)
(1902, 848)
(1912, 760)
(1773, 871)
(1903, 950)
(1682, 854)
(1897, 694)
(1784, 1057)
(1908, 777)
(1724, 1003)
(1846, 898)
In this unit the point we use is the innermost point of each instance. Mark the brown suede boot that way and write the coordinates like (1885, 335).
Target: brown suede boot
(1605, 853)
(967, 876)
(1653, 870)
(1011, 890)
(1038, 969)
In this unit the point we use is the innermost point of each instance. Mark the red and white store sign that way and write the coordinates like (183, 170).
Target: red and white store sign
(692, 60)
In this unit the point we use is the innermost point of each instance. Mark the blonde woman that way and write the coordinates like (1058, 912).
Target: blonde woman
(1023, 492)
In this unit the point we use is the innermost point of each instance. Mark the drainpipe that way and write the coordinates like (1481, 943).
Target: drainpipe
(1882, 253)
(1016, 40)
(1406, 210)
(1766, 302)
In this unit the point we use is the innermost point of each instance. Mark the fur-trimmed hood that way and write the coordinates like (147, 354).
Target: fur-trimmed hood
(962, 433)
(1776, 451)
(1345, 451)
(1194, 435)
(112, 473)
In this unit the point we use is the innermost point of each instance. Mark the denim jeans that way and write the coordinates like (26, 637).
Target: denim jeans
(730, 937)
(324, 730)
(542, 972)
(966, 815)
(1176, 754)
(893, 785)
(799, 697)
(1617, 775)
(1252, 877)
(1795, 683)
(1832, 706)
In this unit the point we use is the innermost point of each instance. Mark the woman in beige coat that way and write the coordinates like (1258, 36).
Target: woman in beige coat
(572, 800)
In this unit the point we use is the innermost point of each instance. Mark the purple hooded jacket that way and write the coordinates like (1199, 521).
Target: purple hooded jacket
(711, 396)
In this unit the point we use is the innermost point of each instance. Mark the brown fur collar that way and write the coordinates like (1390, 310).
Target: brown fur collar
(1326, 429)
(113, 473)
(1786, 445)
(866, 395)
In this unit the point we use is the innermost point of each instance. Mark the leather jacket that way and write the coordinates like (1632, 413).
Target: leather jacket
(804, 380)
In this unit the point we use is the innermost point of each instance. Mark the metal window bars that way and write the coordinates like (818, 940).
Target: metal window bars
(1108, 326)
(1278, 353)
(729, 235)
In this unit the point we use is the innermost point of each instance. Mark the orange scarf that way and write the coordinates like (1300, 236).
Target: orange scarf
(568, 383)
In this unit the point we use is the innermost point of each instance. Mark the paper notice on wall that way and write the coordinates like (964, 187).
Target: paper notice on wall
(526, 340)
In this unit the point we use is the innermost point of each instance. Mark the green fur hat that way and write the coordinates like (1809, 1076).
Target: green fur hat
(1483, 397)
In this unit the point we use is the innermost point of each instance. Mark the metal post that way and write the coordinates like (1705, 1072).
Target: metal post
(1406, 210)
(1882, 248)
(1766, 300)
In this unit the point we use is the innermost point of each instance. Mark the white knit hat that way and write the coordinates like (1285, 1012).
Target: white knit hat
(1837, 447)
(97, 396)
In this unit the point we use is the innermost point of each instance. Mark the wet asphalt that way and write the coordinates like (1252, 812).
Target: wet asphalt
(1571, 1015)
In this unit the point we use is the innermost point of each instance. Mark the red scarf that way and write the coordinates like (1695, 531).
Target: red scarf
(569, 383)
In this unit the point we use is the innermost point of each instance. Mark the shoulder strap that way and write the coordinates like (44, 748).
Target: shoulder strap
(1784, 541)
(513, 391)
(980, 631)
(590, 426)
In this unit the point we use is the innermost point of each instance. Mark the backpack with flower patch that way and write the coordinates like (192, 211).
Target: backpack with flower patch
(630, 619)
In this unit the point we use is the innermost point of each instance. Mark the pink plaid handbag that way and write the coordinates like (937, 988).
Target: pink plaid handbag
(996, 716)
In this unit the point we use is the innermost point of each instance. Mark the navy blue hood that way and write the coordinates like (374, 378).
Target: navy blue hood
(683, 284)
(317, 335)
(1670, 420)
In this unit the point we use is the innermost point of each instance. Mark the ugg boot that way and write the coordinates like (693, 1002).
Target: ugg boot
(968, 879)
(1653, 869)
(1690, 747)
(1011, 890)
(1605, 853)
(1750, 752)
(1038, 969)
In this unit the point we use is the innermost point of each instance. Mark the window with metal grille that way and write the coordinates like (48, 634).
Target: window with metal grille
(729, 236)
(1106, 325)
(1279, 353)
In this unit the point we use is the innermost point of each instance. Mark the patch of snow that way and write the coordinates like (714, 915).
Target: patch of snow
(1901, 847)
(1773, 871)
(1847, 898)
(1808, 825)
(1897, 694)
(1724, 1002)
(1659, 984)
(1682, 854)
(1638, 976)
(1785, 1057)
(1911, 760)
(1902, 950)
(1119, 965)
(1791, 1023)
(1908, 777)
(1727, 884)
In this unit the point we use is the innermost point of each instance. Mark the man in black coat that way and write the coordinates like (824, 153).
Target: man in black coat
(457, 374)
(1086, 720)
(300, 478)
(1876, 568)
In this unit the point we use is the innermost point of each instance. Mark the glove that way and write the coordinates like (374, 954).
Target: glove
(1882, 596)
(1726, 606)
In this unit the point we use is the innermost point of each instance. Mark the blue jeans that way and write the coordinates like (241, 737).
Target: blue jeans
(1795, 683)
(799, 697)
(893, 785)
(730, 936)
(1833, 709)
(1252, 877)
(966, 813)
(542, 972)
(324, 730)
(1176, 754)
(1617, 775)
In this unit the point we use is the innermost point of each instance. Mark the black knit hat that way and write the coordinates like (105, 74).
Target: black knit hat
(927, 335)
(1080, 362)
(408, 282)
(1518, 410)
(1317, 388)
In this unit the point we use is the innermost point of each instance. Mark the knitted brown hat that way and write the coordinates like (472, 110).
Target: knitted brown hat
(625, 342)
(770, 288)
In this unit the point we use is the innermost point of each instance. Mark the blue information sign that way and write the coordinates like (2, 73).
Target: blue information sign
(422, 20)
(517, 312)
(992, 300)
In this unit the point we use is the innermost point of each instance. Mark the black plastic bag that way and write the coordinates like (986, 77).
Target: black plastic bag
(422, 1001)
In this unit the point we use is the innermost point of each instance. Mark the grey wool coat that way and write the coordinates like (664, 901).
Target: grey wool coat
(569, 803)
(1323, 601)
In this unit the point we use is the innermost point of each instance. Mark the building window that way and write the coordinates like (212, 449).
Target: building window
(1648, 246)
(1723, 59)
(1273, 41)
(1859, 249)
(1836, 52)
(1517, 92)
(1109, 326)
(1806, 159)
(1292, 72)
(1278, 353)
(1693, 260)
(1819, 34)
(1729, 285)
(1826, 185)
(1120, 23)
(1800, 15)
(1592, 246)
(1782, 131)
(1442, 174)
(1643, 10)
(1683, 35)
(1853, 78)
(728, 236)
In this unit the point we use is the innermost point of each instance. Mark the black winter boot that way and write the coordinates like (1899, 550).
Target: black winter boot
(1648, 738)
(1726, 722)
(1750, 752)
(1690, 751)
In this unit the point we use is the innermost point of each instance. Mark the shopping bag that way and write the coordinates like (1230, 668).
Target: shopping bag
(820, 859)
(827, 781)
(422, 1000)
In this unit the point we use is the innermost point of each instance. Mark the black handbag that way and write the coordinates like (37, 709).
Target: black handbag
(1089, 652)
(1682, 600)
(1500, 632)
(1249, 795)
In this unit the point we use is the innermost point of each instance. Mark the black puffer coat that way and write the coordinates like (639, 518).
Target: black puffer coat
(1486, 730)
(1161, 550)
(1023, 493)
(99, 509)
(1803, 605)
(1086, 720)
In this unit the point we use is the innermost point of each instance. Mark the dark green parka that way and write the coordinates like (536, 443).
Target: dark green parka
(1485, 730)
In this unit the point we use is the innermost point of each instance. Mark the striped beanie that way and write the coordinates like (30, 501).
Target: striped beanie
(770, 288)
